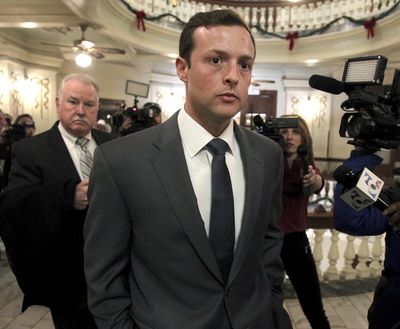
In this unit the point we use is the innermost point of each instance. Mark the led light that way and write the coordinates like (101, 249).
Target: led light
(311, 61)
(83, 60)
(365, 70)
(29, 25)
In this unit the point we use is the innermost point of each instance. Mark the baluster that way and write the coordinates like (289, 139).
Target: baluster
(147, 6)
(246, 17)
(173, 11)
(377, 9)
(376, 252)
(363, 254)
(163, 9)
(278, 19)
(294, 17)
(348, 272)
(186, 10)
(263, 20)
(240, 11)
(302, 17)
(332, 272)
(286, 19)
(360, 11)
(324, 13)
(352, 7)
(317, 250)
(254, 20)
(311, 16)
(271, 19)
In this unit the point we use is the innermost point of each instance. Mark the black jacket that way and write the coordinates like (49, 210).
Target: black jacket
(41, 230)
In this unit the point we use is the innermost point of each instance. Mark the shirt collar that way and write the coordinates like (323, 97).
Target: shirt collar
(70, 137)
(195, 137)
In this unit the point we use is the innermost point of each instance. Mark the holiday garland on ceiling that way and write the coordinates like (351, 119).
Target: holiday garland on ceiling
(369, 24)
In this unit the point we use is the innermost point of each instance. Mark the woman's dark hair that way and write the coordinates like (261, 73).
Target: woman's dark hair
(224, 17)
(22, 116)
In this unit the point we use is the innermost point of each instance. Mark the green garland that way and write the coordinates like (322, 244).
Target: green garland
(141, 16)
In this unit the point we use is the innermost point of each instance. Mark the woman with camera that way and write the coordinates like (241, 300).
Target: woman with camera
(301, 179)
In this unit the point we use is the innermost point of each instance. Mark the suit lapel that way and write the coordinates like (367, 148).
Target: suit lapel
(171, 165)
(253, 171)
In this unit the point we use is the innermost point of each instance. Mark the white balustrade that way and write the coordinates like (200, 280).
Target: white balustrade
(339, 256)
(288, 17)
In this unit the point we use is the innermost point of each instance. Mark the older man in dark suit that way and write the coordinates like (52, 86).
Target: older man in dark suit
(45, 205)
(181, 229)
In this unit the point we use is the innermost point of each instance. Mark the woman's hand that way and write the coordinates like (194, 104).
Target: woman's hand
(311, 181)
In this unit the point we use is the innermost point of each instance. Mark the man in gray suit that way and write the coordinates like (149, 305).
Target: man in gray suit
(150, 256)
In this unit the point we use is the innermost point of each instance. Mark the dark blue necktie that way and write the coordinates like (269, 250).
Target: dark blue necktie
(222, 218)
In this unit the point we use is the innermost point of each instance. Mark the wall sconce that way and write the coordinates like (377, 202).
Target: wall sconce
(28, 93)
(311, 107)
(83, 59)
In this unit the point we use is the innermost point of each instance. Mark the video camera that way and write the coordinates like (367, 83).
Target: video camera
(16, 132)
(142, 118)
(372, 119)
(271, 126)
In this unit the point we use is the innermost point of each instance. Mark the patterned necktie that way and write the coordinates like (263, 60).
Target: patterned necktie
(222, 222)
(85, 158)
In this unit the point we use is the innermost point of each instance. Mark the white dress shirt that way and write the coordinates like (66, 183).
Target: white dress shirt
(74, 149)
(198, 159)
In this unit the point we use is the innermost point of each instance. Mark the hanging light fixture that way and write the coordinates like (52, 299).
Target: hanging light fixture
(83, 59)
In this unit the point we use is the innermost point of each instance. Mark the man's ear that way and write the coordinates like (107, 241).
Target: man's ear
(181, 68)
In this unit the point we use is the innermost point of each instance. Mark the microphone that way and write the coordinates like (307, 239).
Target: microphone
(327, 84)
(302, 152)
(361, 189)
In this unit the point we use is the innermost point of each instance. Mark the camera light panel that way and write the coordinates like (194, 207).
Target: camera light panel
(365, 70)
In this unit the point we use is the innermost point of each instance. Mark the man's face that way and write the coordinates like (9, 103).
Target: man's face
(77, 107)
(219, 77)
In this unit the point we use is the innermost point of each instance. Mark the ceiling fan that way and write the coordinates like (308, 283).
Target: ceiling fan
(83, 45)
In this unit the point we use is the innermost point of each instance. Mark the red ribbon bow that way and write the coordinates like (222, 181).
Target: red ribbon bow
(140, 16)
(291, 36)
(369, 25)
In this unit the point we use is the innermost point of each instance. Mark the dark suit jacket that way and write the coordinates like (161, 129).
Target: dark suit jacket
(148, 262)
(43, 238)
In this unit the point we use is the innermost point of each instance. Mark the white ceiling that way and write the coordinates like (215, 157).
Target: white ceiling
(112, 25)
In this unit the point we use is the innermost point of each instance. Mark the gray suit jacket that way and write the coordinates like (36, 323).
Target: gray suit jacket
(148, 262)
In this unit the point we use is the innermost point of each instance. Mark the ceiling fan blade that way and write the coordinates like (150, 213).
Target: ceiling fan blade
(55, 44)
(111, 50)
(95, 54)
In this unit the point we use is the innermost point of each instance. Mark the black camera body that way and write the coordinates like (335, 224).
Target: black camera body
(270, 128)
(16, 132)
(372, 118)
(142, 118)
